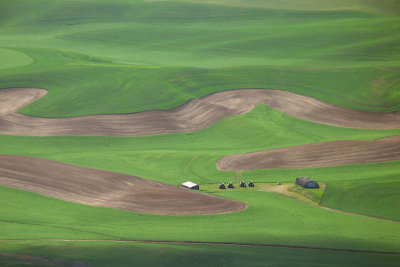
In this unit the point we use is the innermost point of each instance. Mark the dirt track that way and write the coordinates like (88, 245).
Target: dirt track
(316, 155)
(108, 189)
(192, 116)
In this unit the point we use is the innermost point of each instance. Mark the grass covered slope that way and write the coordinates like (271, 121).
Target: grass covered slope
(377, 6)
(271, 217)
(11, 59)
(174, 158)
(48, 253)
(76, 88)
(198, 35)
(97, 57)
(375, 197)
(171, 158)
(128, 56)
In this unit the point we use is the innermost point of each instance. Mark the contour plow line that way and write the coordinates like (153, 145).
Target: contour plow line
(107, 189)
(195, 115)
(316, 155)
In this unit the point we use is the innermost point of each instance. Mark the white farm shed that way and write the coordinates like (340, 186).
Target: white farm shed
(190, 185)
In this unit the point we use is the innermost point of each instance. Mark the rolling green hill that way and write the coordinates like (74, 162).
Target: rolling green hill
(161, 54)
(121, 56)
(376, 196)
(376, 6)
(123, 254)
(172, 158)
(272, 219)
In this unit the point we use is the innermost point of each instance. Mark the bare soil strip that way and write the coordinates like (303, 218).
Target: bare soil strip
(107, 189)
(316, 155)
(204, 243)
(192, 116)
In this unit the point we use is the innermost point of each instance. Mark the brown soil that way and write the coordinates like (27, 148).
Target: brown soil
(283, 189)
(316, 155)
(108, 189)
(192, 116)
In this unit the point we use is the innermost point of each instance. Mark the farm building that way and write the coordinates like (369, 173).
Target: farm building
(306, 182)
(190, 185)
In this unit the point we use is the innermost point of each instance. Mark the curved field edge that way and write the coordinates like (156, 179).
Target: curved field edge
(44, 217)
(313, 197)
(71, 87)
(192, 116)
(364, 189)
(316, 155)
(376, 196)
(174, 158)
(373, 89)
(107, 189)
(349, 53)
(46, 253)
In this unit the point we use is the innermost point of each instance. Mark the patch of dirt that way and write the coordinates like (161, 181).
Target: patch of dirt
(192, 116)
(107, 189)
(283, 189)
(316, 155)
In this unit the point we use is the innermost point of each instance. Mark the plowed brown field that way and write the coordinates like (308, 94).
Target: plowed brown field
(108, 189)
(192, 116)
(102, 188)
(316, 155)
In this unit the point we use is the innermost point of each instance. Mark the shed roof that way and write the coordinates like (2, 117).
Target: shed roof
(189, 184)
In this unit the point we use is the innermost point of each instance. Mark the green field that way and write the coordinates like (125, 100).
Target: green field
(145, 55)
(172, 158)
(270, 217)
(107, 57)
(122, 254)
(374, 197)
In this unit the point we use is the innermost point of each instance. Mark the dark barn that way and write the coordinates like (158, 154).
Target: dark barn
(306, 182)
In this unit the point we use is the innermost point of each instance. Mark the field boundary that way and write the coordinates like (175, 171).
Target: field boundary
(194, 115)
(283, 190)
(331, 153)
(358, 214)
(177, 242)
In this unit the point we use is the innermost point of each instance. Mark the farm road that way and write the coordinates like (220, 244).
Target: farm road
(192, 116)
